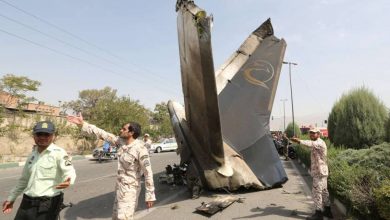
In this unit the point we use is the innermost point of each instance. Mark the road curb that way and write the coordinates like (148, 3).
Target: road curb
(8, 165)
(78, 157)
(19, 164)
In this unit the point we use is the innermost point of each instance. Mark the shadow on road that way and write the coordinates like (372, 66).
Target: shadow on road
(100, 206)
(275, 210)
(92, 208)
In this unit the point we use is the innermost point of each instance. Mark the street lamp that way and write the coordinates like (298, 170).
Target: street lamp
(292, 102)
(284, 114)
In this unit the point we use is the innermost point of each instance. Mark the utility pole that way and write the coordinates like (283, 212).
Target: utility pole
(292, 102)
(284, 114)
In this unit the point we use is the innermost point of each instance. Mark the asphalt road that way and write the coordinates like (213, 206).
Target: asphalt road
(93, 192)
(93, 195)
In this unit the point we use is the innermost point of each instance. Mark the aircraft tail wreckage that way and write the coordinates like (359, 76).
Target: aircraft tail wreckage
(223, 129)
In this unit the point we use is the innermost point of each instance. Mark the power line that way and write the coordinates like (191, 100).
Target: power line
(59, 28)
(54, 38)
(64, 42)
(69, 56)
(78, 38)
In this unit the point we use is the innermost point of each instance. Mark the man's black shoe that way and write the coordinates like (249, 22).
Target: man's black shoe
(327, 212)
(316, 216)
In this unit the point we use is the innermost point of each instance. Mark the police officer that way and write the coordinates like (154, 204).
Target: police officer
(319, 172)
(133, 160)
(48, 170)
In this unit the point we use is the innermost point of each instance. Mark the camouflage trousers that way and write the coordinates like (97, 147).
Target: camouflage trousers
(320, 192)
(126, 201)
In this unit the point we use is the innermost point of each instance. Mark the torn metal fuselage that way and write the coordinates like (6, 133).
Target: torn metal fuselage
(222, 131)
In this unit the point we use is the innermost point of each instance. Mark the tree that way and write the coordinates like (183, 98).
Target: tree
(112, 114)
(162, 121)
(290, 130)
(387, 129)
(89, 98)
(17, 87)
(105, 109)
(357, 120)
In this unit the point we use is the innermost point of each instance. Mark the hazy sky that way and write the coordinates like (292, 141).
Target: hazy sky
(132, 46)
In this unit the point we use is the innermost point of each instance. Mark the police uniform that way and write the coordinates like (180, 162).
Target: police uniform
(41, 173)
(319, 172)
(133, 160)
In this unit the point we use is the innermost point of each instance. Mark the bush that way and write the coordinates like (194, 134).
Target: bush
(290, 130)
(303, 154)
(362, 192)
(358, 178)
(387, 129)
(357, 120)
(355, 175)
(382, 198)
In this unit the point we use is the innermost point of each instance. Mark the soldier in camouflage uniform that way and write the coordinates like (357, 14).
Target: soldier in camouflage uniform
(319, 172)
(133, 160)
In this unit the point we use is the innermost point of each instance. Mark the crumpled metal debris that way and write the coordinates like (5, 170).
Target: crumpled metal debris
(174, 175)
(218, 204)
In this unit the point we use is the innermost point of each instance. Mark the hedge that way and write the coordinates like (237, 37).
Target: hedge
(358, 178)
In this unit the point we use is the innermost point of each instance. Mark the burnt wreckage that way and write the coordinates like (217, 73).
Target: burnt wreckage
(223, 129)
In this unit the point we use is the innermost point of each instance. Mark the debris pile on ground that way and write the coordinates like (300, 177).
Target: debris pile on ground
(218, 204)
(175, 175)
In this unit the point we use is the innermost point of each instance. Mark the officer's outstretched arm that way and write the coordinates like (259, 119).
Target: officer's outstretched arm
(146, 167)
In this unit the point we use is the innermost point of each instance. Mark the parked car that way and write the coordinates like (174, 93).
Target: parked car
(165, 144)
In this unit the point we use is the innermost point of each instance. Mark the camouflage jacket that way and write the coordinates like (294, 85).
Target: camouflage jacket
(318, 154)
(133, 160)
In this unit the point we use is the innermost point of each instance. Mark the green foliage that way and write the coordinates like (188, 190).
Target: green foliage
(18, 86)
(358, 178)
(387, 129)
(108, 111)
(357, 119)
(162, 121)
(112, 114)
(382, 198)
(290, 130)
(105, 109)
(355, 176)
(89, 99)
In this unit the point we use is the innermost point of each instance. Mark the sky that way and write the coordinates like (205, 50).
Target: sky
(132, 46)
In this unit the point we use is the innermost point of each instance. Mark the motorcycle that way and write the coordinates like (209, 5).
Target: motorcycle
(102, 155)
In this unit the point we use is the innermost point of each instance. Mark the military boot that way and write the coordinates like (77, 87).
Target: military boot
(327, 212)
(316, 216)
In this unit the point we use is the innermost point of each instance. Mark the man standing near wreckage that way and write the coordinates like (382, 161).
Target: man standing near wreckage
(133, 160)
(319, 172)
